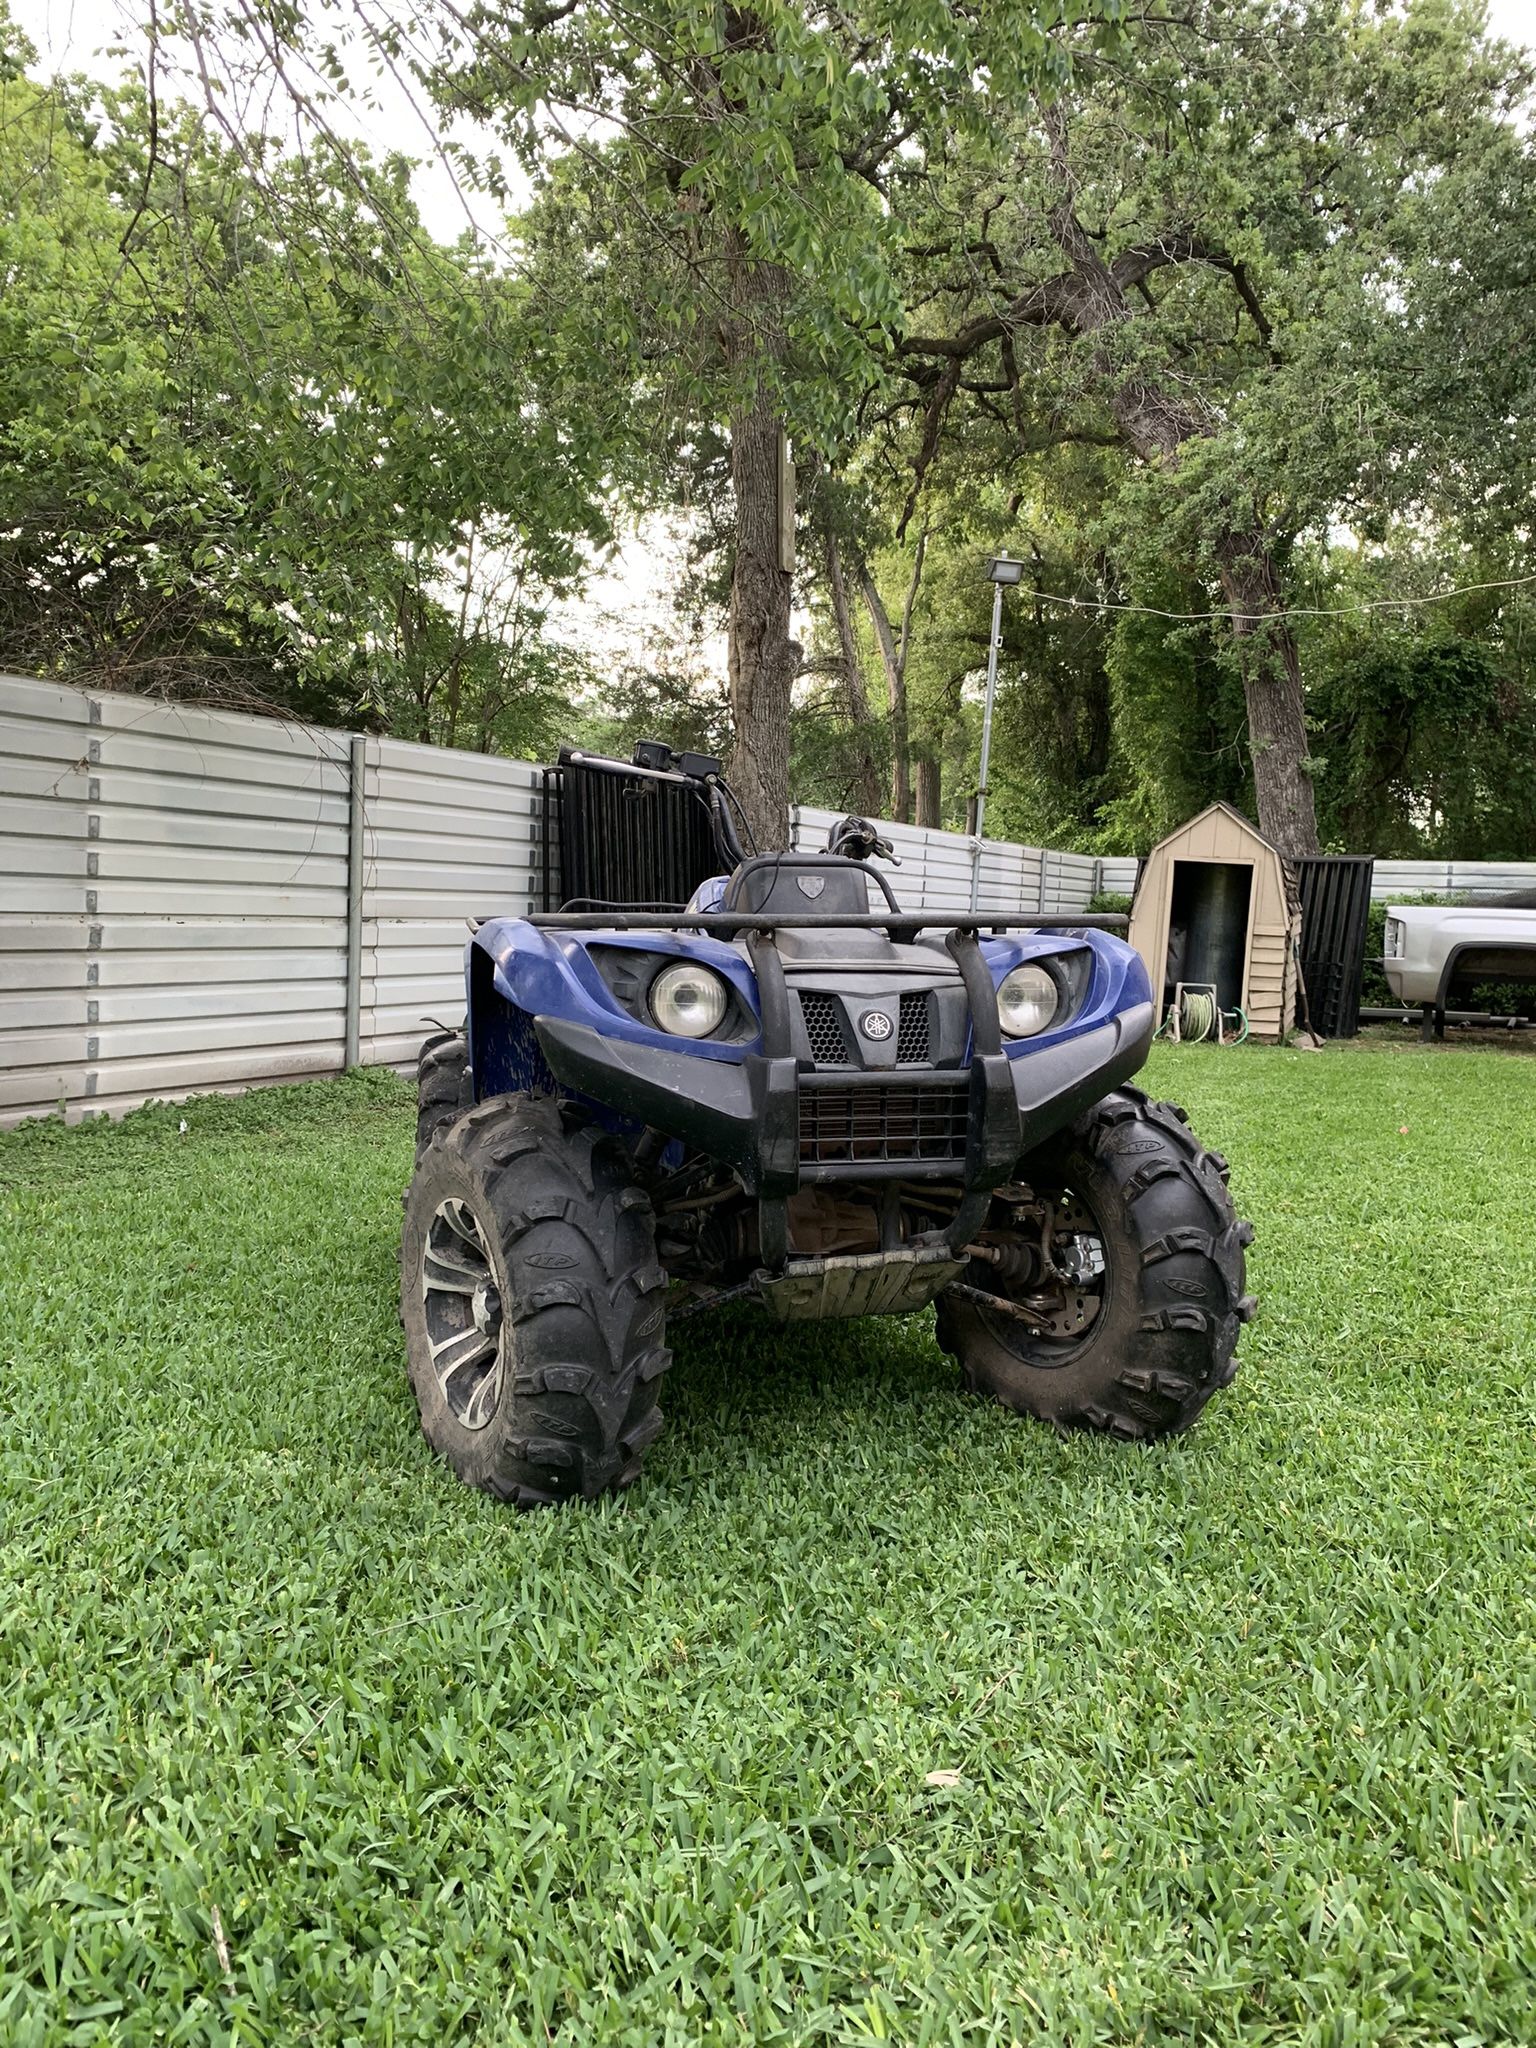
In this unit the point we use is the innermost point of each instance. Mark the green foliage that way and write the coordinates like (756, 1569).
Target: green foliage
(1504, 998)
(260, 440)
(825, 753)
(663, 697)
(1053, 729)
(250, 443)
(1178, 714)
(1425, 724)
(1307, 355)
(1230, 1759)
(1110, 903)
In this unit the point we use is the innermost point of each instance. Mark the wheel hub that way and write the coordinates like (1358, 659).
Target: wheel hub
(1058, 1275)
(462, 1306)
(486, 1309)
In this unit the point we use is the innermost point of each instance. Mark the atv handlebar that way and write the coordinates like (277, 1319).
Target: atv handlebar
(860, 840)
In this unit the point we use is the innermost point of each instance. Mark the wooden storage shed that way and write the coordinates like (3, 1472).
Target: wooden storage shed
(1216, 903)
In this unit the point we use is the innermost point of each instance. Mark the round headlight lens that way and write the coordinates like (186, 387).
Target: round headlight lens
(688, 1001)
(1026, 1001)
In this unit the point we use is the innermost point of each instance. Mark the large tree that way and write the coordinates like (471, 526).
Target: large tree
(1170, 306)
(722, 166)
(1194, 247)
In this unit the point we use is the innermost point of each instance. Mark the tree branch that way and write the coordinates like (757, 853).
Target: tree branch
(938, 405)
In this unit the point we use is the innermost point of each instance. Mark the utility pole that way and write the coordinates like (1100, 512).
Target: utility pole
(1002, 571)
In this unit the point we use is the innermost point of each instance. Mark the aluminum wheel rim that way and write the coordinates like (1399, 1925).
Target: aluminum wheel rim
(462, 1307)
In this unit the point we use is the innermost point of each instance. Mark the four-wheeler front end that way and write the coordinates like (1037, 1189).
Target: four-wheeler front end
(791, 1091)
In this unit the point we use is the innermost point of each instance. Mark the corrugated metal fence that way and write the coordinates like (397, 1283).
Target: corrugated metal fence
(193, 899)
(176, 908)
(198, 900)
(1450, 878)
(935, 871)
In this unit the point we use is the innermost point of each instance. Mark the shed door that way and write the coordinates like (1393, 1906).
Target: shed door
(1208, 927)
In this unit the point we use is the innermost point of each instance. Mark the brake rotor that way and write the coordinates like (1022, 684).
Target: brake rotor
(1068, 1306)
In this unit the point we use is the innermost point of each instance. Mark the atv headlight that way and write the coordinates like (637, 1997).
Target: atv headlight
(688, 1001)
(1027, 1001)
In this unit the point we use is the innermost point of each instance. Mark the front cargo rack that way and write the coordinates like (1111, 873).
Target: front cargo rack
(728, 923)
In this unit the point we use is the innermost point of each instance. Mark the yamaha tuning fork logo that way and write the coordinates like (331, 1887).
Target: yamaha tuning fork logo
(875, 1024)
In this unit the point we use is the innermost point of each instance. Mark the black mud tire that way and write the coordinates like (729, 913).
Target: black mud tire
(1174, 1301)
(444, 1088)
(570, 1243)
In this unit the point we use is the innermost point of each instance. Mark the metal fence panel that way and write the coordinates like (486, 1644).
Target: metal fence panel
(1069, 881)
(219, 899)
(1117, 874)
(446, 837)
(1450, 878)
(45, 784)
(187, 929)
(935, 871)
(1335, 891)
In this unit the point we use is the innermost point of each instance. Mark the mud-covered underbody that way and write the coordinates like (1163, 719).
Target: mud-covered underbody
(880, 1247)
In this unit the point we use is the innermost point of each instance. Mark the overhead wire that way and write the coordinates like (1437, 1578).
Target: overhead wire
(1341, 611)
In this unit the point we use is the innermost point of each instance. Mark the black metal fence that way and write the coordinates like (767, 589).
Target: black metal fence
(1335, 903)
(616, 836)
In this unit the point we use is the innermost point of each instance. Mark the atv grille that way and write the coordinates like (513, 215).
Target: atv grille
(824, 1028)
(887, 1122)
(912, 1033)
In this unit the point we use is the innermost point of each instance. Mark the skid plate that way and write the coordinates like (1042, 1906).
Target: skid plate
(860, 1284)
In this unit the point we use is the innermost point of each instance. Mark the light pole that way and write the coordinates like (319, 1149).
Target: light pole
(1002, 571)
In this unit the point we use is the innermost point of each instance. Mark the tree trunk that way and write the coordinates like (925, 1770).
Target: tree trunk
(868, 794)
(762, 659)
(928, 793)
(893, 658)
(1271, 672)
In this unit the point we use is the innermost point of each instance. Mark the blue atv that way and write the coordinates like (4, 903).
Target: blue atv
(775, 1093)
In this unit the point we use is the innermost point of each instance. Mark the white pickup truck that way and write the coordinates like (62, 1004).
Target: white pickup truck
(1436, 952)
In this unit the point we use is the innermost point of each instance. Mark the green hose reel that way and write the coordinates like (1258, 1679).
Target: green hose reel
(1195, 1015)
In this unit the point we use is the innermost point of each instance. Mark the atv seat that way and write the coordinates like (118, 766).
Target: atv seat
(825, 884)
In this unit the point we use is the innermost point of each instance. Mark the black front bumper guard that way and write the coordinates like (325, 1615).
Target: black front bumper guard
(747, 1115)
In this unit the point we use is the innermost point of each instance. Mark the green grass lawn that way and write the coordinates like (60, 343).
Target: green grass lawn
(1242, 1724)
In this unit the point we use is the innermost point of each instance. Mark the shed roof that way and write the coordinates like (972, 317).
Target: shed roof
(1228, 810)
